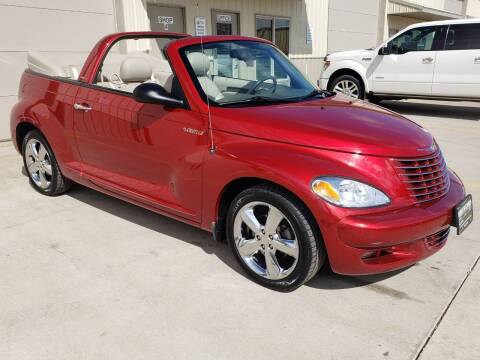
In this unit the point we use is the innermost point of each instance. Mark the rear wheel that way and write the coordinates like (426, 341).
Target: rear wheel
(273, 238)
(349, 85)
(41, 165)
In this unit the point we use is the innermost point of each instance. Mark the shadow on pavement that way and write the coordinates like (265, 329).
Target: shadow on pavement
(454, 110)
(326, 279)
(156, 222)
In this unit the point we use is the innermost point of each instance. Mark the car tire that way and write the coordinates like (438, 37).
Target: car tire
(41, 166)
(279, 256)
(349, 85)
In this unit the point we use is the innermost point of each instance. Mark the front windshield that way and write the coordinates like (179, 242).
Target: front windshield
(232, 72)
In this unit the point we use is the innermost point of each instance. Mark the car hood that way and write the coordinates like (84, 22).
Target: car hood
(335, 123)
(351, 54)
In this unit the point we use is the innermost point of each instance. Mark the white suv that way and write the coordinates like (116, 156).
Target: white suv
(438, 60)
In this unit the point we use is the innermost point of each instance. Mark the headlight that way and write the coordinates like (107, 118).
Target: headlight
(326, 63)
(348, 193)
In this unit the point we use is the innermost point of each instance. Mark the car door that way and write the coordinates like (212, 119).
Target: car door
(457, 72)
(406, 65)
(146, 152)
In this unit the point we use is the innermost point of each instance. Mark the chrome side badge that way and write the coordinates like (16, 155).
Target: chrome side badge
(193, 131)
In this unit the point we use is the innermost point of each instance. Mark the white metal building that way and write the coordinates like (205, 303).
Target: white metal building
(304, 29)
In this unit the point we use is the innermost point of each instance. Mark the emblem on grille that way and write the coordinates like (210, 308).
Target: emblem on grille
(431, 148)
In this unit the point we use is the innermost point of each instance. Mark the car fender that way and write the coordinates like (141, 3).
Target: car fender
(289, 166)
(349, 65)
(240, 157)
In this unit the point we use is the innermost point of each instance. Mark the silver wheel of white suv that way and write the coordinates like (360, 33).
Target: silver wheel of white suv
(349, 85)
(348, 88)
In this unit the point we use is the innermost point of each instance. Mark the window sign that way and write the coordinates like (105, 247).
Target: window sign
(224, 18)
(200, 26)
(309, 35)
(165, 20)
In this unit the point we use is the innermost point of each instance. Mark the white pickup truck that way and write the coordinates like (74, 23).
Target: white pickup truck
(437, 60)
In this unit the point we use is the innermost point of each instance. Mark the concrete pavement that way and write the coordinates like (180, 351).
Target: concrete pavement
(86, 276)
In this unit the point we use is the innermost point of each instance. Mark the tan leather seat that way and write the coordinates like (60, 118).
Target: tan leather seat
(134, 69)
(162, 74)
(133, 72)
(201, 67)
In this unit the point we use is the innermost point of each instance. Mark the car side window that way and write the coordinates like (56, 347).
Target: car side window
(131, 62)
(419, 39)
(463, 37)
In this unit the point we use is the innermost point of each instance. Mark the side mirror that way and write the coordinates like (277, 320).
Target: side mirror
(152, 93)
(384, 50)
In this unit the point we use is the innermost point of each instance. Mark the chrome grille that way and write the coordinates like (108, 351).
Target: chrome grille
(426, 178)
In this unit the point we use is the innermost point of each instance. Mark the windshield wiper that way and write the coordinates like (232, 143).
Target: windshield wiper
(257, 99)
(317, 92)
(266, 99)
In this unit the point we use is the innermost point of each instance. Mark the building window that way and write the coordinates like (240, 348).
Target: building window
(264, 27)
(274, 29)
(282, 34)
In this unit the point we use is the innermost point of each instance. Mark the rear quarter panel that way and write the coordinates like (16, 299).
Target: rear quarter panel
(47, 103)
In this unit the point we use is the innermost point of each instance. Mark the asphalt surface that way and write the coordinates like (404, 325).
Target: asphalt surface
(86, 276)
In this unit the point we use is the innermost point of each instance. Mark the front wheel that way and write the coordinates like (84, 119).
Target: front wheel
(273, 238)
(348, 85)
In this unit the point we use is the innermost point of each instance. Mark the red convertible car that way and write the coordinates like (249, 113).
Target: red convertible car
(224, 133)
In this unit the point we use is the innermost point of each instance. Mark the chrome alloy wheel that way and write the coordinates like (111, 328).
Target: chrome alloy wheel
(266, 240)
(39, 165)
(348, 88)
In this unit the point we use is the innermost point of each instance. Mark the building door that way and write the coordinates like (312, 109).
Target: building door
(166, 18)
(225, 23)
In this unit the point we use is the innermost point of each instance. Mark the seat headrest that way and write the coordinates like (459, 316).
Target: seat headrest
(199, 62)
(135, 69)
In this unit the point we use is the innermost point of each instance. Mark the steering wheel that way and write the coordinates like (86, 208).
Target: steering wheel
(271, 88)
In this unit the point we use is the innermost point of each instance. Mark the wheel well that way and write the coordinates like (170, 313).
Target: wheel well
(236, 187)
(342, 72)
(22, 129)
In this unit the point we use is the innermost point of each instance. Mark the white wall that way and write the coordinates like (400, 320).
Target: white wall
(63, 29)
(473, 8)
(302, 13)
(353, 24)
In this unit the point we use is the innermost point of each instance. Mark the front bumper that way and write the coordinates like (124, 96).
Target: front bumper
(390, 240)
(323, 83)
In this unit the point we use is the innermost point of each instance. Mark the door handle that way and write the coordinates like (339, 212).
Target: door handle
(82, 107)
(477, 60)
(427, 60)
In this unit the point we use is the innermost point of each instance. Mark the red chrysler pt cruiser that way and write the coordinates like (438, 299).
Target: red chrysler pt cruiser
(224, 133)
